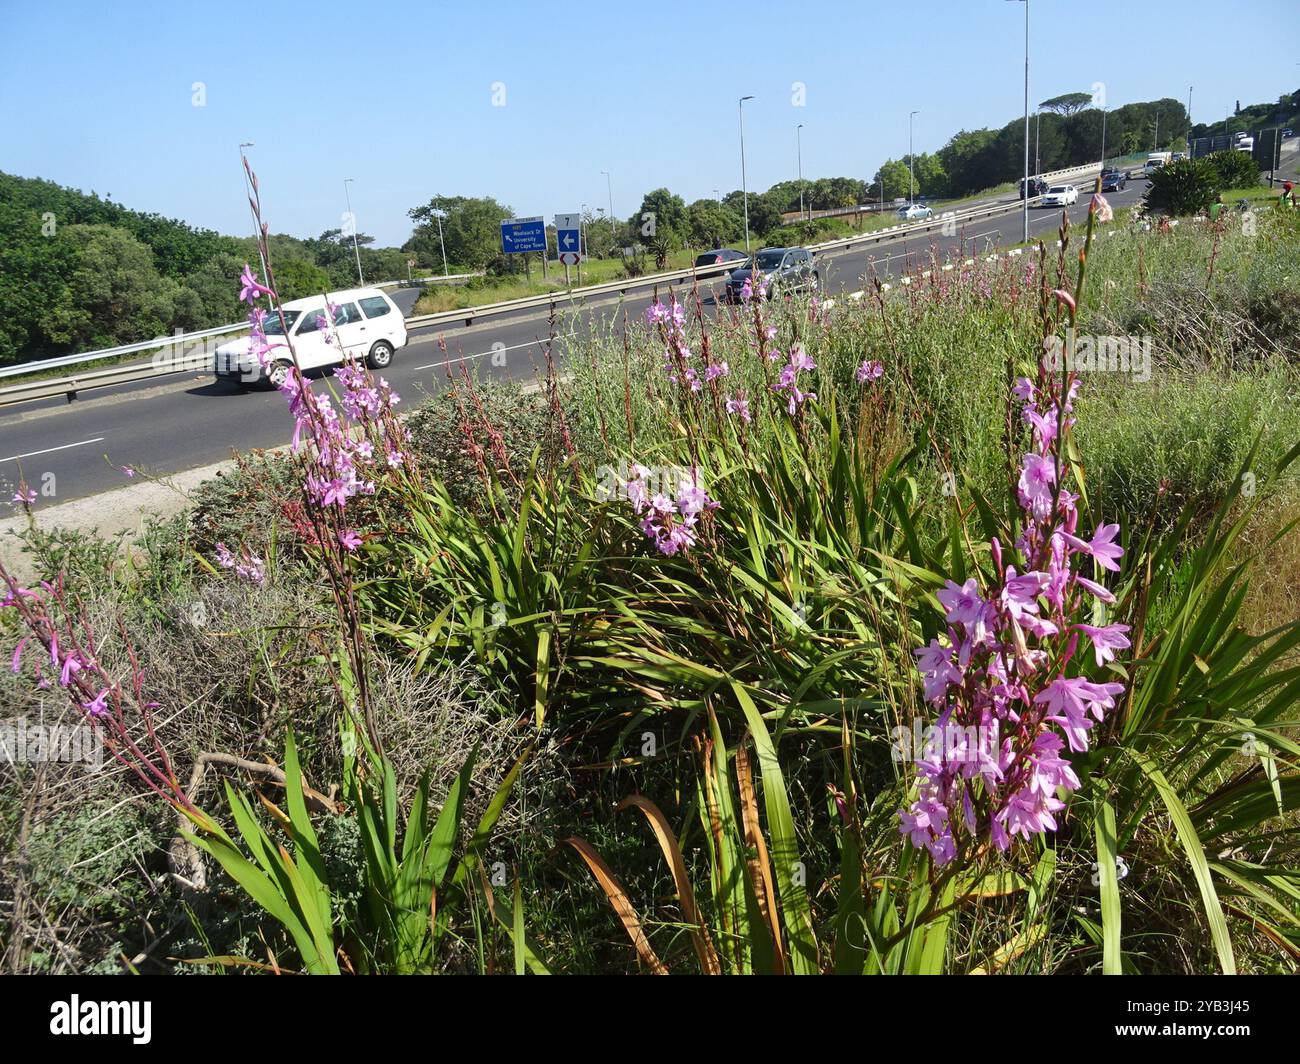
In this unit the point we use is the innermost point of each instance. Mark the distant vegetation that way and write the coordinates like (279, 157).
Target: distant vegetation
(78, 271)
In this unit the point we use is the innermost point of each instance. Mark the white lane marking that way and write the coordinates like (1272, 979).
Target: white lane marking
(51, 450)
(480, 354)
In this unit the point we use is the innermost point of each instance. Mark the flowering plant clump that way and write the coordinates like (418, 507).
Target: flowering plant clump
(788, 381)
(247, 565)
(1006, 665)
(60, 647)
(670, 514)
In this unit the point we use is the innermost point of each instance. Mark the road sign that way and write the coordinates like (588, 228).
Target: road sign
(568, 237)
(523, 234)
(570, 258)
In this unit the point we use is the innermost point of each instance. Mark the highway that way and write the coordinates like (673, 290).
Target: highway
(187, 420)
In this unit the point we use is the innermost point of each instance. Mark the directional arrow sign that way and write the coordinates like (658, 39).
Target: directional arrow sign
(568, 237)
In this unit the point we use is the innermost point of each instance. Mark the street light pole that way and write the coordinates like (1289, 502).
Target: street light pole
(1024, 206)
(798, 140)
(1103, 138)
(609, 188)
(440, 214)
(1189, 120)
(352, 222)
(1038, 132)
(744, 188)
(910, 159)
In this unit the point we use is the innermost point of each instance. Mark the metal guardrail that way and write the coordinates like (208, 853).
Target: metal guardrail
(74, 383)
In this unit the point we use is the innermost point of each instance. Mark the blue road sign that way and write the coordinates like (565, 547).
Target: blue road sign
(523, 234)
(568, 239)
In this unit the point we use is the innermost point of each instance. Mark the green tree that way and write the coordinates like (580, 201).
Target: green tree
(471, 230)
(113, 293)
(893, 175)
(711, 225)
(661, 217)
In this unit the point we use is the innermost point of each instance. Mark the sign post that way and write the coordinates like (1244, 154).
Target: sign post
(519, 236)
(568, 240)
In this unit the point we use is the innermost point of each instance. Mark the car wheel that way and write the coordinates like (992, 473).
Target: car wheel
(277, 374)
(380, 355)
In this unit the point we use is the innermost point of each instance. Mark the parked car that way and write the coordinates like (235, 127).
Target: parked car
(367, 325)
(914, 211)
(1288, 133)
(1059, 196)
(1037, 186)
(1113, 180)
(776, 269)
(718, 256)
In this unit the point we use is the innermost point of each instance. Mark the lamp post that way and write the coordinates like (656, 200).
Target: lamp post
(440, 214)
(1189, 120)
(1024, 208)
(609, 189)
(744, 188)
(798, 142)
(910, 159)
(352, 222)
(1038, 134)
(1103, 138)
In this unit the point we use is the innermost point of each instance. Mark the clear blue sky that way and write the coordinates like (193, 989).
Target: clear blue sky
(398, 96)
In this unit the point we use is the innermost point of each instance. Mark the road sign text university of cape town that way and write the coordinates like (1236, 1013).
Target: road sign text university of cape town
(523, 234)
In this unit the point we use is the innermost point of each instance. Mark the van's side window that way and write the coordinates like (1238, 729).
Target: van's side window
(375, 306)
(347, 314)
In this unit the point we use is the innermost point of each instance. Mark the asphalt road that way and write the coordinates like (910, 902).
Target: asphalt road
(184, 421)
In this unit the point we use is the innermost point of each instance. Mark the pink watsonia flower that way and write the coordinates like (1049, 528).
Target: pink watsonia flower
(1101, 208)
(935, 664)
(712, 373)
(17, 661)
(1095, 588)
(250, 289)
(25, 496)
(869, 370)
(349, 539)
(1037, 480)
(800, 359)
(1102, 547)
(71, 666)
(740, 408)
(1065, 299)
(98, 706)
(1106, 640)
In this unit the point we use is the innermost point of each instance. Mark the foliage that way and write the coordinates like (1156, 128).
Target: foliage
(1185, 187)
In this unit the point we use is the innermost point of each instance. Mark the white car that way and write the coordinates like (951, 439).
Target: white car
(366, 325)
(1059, 196)
(914, 211)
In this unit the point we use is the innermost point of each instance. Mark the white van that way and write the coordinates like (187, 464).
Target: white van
(367, 325)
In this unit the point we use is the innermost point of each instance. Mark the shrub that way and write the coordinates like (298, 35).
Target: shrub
(1188, 186)
(1235, 169)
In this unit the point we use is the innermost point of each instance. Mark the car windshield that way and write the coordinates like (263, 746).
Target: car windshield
(272, 326)
(769, 260)
(1057, 190)
(706, 260)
